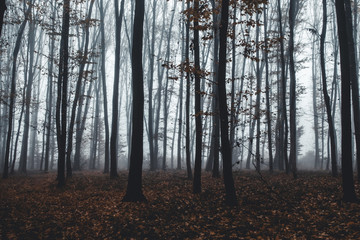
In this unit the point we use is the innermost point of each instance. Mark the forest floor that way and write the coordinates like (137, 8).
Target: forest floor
(90, 207)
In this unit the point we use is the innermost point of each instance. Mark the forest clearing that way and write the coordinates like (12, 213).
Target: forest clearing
(273, 206)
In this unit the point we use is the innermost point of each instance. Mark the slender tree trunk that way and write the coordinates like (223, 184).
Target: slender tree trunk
(293, 130)
(134, 187)
(104, 89)
(354, 81)
(282, 150)
(346, 158)
(268, 109)
(62, 97)
(258, 98)
(153, 161)
(28, 95)
(198, 113)
(181, 93)
(50, 96)
(230, 197)
(115, 110)
(77, 93)
(325, 92)
(13, 93)
(187, 105)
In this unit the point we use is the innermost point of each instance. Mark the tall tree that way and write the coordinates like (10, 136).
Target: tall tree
(346, 146)
(13, 92)
(28, 98)
(104, 89)
(198, 114)
(325, 92)
(230, 196)
(187, 104)
(134, 187)
(62, 94)
(115, 107)
(354, 80)
(293, 142)
(268, 110)
(84, 59)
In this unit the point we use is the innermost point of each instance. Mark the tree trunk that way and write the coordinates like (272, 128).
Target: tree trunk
(134, 187)
(293, 130)
(268, 110)
(13, 93)
(62, 97)
(27, 102)
(282, 146)
(104, 89)
(230, 197)
(354, 81)
(115, 108)
(325, 92)
(187, 105)
(198, 113)
(346, 156)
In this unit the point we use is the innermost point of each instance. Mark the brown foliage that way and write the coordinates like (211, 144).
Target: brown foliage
(90, 207)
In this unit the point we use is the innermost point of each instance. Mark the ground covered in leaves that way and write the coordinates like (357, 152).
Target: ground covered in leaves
(90, 207)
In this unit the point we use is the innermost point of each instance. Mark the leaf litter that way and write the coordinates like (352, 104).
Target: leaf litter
(90, 207)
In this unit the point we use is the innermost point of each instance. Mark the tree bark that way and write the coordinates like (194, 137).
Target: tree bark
(13, 93)
(198, 113)
(115, 108)
(346, 156)
(325, 92)
(230, 197)
(62, 97)
(104, 89)
(134, 187)
(187, 105)
(293, 130)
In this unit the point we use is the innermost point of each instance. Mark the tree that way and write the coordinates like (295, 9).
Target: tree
(293, 142)
(187, 104)
(230, 196)
(268, 112)
(325, 92)
(134, 187)
(346, 146)
(104, 89)
(28, 98)
(198, 114)
(115, 107)
(62, 95)
(354, 80)
(13, 92)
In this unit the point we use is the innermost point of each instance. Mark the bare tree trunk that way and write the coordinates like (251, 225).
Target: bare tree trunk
(27, 102)
(346, 158)
(115, 108)
(293, 130)
(62, 97)
(268, 110)
(13, 93)
(325, 92)
(187, 105)
(134, 187)
(104, 89)
(198, 113)
(230, 197)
